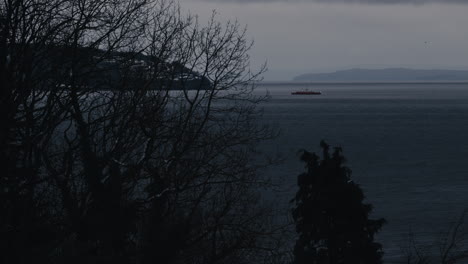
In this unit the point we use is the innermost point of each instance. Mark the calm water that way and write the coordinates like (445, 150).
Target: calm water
(407, 145)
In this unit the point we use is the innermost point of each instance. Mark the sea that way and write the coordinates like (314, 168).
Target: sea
(406, 144)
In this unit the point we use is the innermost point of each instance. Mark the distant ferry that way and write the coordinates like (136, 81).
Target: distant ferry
(305, 92)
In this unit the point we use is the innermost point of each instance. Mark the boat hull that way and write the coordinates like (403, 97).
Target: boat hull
(306, 93)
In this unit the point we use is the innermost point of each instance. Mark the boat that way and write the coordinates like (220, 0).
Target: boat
(305, 92)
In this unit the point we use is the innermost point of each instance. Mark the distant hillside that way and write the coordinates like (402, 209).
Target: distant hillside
(103, 70)
(385, 75)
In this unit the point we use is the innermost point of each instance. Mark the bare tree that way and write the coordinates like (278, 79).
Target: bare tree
(129, 136)
(450, 247)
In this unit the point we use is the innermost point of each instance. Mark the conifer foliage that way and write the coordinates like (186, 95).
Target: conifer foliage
(331, 219)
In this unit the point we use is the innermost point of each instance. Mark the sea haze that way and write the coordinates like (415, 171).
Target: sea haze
(386, 75)
(406, 144)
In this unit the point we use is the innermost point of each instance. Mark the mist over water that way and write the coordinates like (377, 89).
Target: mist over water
(406, 144)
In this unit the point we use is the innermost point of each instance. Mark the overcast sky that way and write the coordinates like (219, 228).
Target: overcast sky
(299, 36)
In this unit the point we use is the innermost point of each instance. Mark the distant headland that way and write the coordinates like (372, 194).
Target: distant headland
(386, 75)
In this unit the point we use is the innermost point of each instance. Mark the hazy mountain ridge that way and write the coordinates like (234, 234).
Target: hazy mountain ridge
(390, 75)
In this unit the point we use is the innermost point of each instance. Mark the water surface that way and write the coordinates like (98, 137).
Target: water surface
(407, 145)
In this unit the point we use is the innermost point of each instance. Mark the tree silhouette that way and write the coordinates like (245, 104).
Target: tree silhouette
(331, 218)
(128, 135)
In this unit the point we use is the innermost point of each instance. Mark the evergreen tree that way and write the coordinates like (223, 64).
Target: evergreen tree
(331, 219)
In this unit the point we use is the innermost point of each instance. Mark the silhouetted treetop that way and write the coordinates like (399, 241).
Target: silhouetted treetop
(331, 218)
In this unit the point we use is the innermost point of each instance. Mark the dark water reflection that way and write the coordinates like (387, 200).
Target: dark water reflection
(407, 145)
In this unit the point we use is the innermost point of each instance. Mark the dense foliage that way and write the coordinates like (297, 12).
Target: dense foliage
(331, 219)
